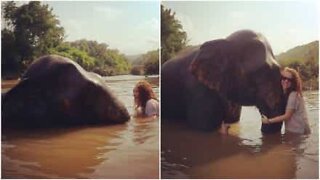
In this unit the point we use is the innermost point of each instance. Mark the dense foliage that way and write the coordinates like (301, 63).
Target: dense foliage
(32, 30)
(106, 61)
(305, 59)
(146, 64)
(173, 38)
(93, 56)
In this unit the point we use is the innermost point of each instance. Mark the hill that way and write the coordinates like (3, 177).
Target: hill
(300, 54)
(144, 64)
(305, 59)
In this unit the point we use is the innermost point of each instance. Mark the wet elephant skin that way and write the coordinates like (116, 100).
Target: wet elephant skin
(56, 91)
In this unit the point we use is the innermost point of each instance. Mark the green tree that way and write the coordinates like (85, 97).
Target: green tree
(173, 38)
(81, 57)
(10, 60)
(35, 30)
(121, 63)
(107, 61)
(146, 64)
(151, 62)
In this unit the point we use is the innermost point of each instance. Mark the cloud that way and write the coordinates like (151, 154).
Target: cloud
(186, 22)
(238, 20)
(189, 27)
(151, 24)
(237, 15)
(108, 12)
(289, 38)
(74, 28)
(143, 37)
(154, 43)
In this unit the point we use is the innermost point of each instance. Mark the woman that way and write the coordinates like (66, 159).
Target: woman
(295, 117)
(145, 101)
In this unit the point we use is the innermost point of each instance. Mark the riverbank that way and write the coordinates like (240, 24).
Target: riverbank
(154, 79)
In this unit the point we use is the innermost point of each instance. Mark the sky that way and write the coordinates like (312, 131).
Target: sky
(285, 24)
(131, 27)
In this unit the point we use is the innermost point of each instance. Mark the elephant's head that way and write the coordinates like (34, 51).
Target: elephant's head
(102, 104)
(242, 68)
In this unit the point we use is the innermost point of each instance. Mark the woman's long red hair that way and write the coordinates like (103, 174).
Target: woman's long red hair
(145, 93)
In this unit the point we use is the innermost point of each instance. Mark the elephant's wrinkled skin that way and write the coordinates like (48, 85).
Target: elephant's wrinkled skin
(56, 91)
(208, 85)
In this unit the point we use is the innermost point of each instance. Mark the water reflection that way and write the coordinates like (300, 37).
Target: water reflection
(245, 153)
(119, 151)
(55, 153)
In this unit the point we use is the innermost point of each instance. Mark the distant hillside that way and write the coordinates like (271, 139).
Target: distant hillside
(134, 59)
(305, 59)
(300, 54)
(145, 64)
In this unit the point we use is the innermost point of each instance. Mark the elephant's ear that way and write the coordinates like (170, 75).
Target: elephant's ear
(212, 65)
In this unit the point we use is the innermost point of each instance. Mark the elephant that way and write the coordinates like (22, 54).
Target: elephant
(207, 85)
(56, 91)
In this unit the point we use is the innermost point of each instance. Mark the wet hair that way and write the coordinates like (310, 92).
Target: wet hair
(145, 93)
(296, 83)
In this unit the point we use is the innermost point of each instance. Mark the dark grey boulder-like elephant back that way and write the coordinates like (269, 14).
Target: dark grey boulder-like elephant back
(56, 91)
(221, 76)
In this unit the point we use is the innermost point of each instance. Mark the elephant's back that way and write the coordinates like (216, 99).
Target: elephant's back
(174, 77)
(243, 35)
(57, 73)
(180, 63)
(44, 64)
(175, 72)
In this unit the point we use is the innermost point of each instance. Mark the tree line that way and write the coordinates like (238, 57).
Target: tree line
(146, 64)
(173, 40)
(32, 30)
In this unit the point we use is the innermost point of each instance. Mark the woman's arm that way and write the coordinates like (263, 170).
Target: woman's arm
(291, 106)
(287, 115)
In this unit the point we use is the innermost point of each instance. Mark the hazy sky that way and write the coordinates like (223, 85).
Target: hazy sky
(285, 24)
(132, 27)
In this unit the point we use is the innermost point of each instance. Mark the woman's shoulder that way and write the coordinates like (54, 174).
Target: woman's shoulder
(152, 101)
(293, 94)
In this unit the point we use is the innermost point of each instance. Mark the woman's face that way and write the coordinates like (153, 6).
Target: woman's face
(286, 80)
(135, 93)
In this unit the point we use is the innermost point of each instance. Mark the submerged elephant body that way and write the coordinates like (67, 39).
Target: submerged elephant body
(55, 91)
(208, 85)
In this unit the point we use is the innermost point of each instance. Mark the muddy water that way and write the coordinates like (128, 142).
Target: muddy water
(128, 150)
(244, 153)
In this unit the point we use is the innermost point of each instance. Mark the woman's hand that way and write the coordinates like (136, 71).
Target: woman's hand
(264, 119)
(224, 129)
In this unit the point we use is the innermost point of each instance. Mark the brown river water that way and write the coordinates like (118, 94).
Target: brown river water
(128, 150)
(244, 153)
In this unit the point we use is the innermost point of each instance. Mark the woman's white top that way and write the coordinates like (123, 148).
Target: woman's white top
(298, 122)
(152, 107)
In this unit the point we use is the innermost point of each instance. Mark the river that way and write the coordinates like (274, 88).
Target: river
(128, 150)
(244, 153)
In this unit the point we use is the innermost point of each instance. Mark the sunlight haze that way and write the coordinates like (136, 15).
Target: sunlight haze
(285, 24)
(131, 27)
